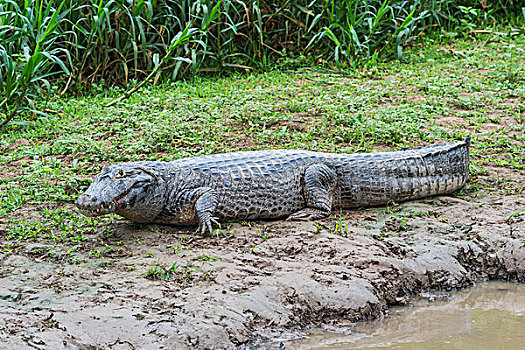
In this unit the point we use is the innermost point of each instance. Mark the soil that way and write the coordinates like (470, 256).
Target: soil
(259, 281)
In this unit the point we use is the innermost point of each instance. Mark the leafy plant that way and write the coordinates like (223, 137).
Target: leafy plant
(365, 29)
(27, 51)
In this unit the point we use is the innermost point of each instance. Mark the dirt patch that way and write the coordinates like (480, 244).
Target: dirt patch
(475, 94)
(491, 122)
(259, 280)
(18, 143)
(13, 169)
(299, 122)
(451, 121)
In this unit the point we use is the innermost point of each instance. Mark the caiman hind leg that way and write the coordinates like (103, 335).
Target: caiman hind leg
(319, 187)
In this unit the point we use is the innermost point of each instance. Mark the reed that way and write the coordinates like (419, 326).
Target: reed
(73, 44)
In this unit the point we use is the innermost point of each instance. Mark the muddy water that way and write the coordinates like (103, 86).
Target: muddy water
(489, 316)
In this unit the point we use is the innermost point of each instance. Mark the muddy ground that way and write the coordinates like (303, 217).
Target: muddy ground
(260, 281)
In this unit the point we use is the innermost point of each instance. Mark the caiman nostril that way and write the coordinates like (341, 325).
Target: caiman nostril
(85, 200)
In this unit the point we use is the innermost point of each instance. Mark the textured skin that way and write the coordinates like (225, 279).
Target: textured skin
(272, 184)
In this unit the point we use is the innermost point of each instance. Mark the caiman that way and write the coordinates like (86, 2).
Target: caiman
(291, 184)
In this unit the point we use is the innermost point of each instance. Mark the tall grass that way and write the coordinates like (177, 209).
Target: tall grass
(366, 29)
(76, 43)
(27, 52)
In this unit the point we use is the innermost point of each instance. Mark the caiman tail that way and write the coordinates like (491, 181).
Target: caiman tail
(377, 179)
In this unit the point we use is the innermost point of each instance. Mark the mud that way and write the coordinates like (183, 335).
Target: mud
(259, 281)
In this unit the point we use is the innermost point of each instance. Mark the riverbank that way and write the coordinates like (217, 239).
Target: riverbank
(259, 281)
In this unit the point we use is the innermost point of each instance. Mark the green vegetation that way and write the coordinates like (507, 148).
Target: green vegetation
(183, 273)
(75, 46)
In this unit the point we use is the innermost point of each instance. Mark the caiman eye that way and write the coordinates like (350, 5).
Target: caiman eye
(119, 173)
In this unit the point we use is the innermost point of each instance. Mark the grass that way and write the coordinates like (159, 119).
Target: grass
(444, 92)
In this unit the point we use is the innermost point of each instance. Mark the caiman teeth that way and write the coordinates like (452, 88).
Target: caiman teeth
(100, 209)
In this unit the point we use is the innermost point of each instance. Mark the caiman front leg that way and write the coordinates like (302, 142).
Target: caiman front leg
(205, 208)
(195, 205)
(319, 186)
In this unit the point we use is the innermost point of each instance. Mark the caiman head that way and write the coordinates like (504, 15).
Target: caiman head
(131, 190)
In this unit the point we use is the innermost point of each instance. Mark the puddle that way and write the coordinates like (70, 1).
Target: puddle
(489, 316)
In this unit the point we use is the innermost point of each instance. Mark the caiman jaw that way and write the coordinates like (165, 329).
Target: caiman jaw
(88, 209)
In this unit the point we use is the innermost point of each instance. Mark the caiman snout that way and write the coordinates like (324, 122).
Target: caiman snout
(91, 206)
(86, 200)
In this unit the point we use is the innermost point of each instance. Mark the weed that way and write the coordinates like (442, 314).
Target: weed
(515, 215)
(204, 257)
(260, 232)
(176, 250)
(339, 227)
(183, 273)
(398, 222)
(28, 54)
(161, 271)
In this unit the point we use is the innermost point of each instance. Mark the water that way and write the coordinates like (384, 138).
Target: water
(489, 316)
